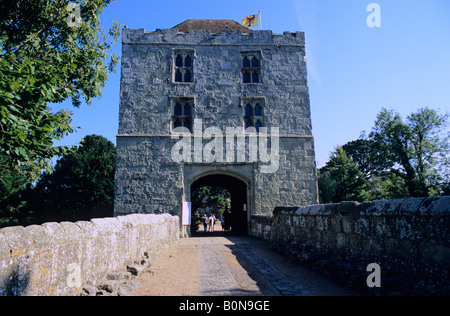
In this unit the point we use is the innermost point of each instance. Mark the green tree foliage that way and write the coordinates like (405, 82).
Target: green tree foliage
(82, 184)
(80, 188)
(380, 184)
(365, 154)
(399, 159)
(44, 59)
(12, 191)
(214, 197)
(417, 149)
(341, 180)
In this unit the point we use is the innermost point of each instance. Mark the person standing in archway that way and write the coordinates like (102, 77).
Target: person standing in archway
(211, 222)
(205, 222)
(226, 218)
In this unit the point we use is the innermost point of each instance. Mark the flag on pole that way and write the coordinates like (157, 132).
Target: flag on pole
(250, 21)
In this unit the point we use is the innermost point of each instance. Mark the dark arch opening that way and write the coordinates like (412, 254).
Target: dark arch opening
(237, 214)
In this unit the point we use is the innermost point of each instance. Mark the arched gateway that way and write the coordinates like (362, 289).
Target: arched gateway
(211, 102)
(239, 189)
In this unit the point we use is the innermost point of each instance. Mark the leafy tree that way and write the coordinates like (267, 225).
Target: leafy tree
(46, 59)
(415, 149)
(386, 186)
(365, 154)
(214, 197)
(82, 184)
(381, 184)
(399, 159)
(327, 186)
(12, 189)
(341, 180)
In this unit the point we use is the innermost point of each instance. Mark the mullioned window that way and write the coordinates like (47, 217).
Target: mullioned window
(253, 113)
(182, 112)
(184, 66)
(251, 67)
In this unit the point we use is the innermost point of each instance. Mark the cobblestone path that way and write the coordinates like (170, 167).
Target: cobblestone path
(230, 266)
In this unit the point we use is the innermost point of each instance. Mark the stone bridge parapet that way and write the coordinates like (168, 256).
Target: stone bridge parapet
(409, 238)
(61, 258)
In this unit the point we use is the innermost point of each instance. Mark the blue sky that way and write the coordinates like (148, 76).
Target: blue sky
(353, 70)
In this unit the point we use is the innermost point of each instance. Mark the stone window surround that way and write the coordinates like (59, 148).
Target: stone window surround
(192, 53)
(183, 69)
(257, 54)
(184, 100)
(253, 102)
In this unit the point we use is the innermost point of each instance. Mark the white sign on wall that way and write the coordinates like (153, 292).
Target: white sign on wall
(186, 214)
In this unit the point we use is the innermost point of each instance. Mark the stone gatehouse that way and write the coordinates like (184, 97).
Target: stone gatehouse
(210, 102)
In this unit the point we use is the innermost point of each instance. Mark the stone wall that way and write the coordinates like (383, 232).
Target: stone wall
(62, 258)
(408, 238)
(148, 180)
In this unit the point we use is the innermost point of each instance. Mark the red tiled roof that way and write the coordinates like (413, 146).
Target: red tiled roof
(214, 26)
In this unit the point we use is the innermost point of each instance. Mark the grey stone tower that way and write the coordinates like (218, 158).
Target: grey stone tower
(210, 102)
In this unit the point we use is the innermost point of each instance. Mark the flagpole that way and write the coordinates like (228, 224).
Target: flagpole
(260, 20)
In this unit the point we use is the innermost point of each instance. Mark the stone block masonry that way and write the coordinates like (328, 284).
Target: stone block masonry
(408, 238)
(56, 259)
(156, 98)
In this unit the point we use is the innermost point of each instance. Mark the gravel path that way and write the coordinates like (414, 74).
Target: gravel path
(230, 266)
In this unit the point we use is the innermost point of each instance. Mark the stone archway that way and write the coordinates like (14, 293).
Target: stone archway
(239, 214)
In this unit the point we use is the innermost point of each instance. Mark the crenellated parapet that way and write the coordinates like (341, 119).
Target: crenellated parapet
(205, 37)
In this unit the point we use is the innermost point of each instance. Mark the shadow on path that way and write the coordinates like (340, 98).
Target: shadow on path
(226, 264)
